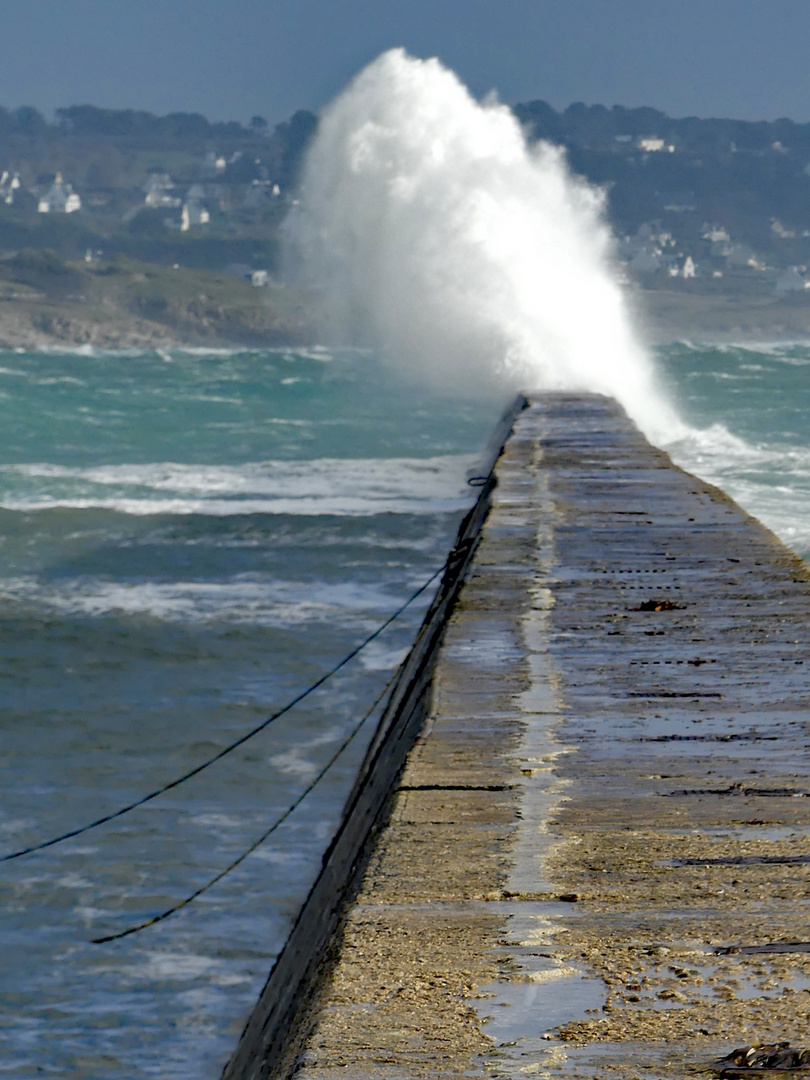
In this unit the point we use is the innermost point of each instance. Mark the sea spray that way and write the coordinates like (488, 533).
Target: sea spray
(429, 230)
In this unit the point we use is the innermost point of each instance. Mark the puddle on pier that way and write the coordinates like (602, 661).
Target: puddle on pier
(753, 829)
(523, 1012)
(490, 649)
(528, 1010)
(545, 992)
(686, 983)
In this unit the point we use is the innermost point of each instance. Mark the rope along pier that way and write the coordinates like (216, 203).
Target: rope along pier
(405, 690)
(457, 558)
(294, 973)
(268, 832)
(106, 818)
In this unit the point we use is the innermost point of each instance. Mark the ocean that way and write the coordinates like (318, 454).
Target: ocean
(190, 538)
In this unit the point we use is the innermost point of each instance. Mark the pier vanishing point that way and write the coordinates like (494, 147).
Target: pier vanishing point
(578, 846)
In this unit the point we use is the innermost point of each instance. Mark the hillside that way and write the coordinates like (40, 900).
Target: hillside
(46, 301)
(168, 216)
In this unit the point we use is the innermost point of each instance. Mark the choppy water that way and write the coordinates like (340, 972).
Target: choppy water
(750, 406)
(187, 540)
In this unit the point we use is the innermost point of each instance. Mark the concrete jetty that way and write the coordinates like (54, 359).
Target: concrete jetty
(596, 860)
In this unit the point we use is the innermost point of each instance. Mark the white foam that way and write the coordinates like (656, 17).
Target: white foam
(431, 230)
(380, 656)
(57, 380)
(715, 450)
(88, 351)
(216, 821)
(176, 966)
(249, 599)
(316, 352)
(296, 760)
(350, 487)
(771, 481)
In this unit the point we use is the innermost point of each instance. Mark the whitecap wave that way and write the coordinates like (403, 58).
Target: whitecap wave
(245, 599)
(334, 486)
(771, 481)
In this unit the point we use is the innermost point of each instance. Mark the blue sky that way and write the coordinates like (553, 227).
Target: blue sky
(231, 59)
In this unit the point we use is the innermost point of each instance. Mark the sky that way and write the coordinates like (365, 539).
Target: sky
(233, 59)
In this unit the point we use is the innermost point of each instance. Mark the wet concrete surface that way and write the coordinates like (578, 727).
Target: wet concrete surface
(606, 799)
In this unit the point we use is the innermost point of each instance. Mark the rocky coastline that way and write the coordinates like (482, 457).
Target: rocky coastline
(49, 304)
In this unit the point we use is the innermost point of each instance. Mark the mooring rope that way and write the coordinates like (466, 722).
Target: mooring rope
(237, 742)
(268, 832)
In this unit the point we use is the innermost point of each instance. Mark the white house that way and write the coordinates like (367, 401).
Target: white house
(193, 213)
(652, 144)
(716, 234)
(61, 199)
(261, 193)
(158, 191)
(687, 269)
(740, 256)
(645, 251)
(8, 185)
(213, 163)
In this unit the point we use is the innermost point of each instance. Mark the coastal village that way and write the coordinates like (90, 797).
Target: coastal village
(650, 253)
(698, 208)
(654, 252)
(161, 204)
(135, 184)
(178, 191)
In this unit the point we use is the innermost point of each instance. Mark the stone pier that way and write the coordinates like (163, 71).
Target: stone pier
(596, 860)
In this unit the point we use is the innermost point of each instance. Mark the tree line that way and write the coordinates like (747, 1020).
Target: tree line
(93, 122)
(599, 127)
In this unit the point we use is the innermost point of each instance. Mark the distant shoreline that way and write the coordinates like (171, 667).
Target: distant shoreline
(51, 327)
(663, 315)
(233, 315)
(47, 303)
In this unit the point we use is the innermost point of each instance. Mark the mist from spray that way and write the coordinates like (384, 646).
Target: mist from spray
(430, 230)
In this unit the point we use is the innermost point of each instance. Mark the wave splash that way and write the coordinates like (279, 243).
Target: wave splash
(430, 230)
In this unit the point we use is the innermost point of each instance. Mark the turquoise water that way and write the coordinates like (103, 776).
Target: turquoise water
(750, 411)
(188, 539)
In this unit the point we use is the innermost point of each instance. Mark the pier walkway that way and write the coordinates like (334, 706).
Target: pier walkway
(596, 862)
